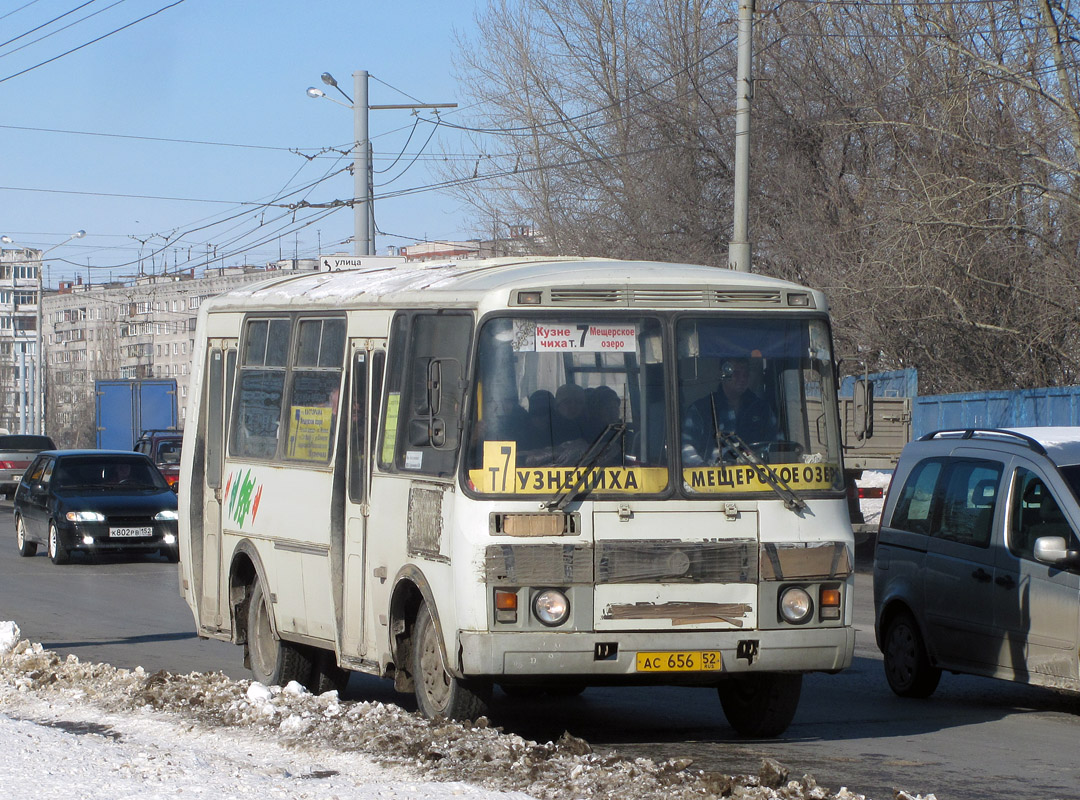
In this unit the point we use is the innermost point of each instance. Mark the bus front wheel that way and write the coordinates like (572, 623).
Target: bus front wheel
(438, 693)
(760, 705)
(272, 661)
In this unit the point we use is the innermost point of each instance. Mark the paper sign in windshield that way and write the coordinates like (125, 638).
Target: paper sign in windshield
(581, 337)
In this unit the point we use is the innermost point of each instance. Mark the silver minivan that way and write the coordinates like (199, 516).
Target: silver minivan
(977, 563)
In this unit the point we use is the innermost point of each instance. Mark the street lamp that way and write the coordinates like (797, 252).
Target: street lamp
(363, 206)
(363, 213)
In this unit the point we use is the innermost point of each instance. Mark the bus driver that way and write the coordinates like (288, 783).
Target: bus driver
(735, 408)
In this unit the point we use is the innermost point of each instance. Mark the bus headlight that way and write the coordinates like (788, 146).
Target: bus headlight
(551, 607)
(796, 605)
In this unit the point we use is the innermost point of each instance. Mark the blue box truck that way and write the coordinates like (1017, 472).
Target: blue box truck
(126, 408)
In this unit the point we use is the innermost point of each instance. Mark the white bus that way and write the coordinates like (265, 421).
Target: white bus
(536, 473)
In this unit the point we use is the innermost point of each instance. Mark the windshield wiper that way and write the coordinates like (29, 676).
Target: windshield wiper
(732, 441)
(588, 461)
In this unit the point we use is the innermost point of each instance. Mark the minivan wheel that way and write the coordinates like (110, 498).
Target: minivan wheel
(907, 665)
(57, 552)
(26, 549)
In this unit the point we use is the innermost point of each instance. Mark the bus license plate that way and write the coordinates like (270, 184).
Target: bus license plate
(679, 661)
(116, 533)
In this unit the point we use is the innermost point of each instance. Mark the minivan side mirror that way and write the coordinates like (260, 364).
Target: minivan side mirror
(1054, 551)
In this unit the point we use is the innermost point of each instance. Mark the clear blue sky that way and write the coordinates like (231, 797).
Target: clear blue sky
(223, 71)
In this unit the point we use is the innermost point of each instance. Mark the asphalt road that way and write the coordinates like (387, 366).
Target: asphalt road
(974, 739)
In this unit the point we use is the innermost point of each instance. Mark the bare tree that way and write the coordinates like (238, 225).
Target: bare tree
(918, 161)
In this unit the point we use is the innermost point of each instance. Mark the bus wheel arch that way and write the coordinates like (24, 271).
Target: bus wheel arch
(271, 659)
(423, 662)
(411, 590)
(245, 570)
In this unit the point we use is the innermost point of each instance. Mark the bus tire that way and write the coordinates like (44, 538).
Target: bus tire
(273, 662)
(760, 705)
(907, 665)
(438, 693)
(327, 676)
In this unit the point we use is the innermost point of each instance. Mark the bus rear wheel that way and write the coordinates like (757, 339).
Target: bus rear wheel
(272, 661)
(760, 705)
(438, 693)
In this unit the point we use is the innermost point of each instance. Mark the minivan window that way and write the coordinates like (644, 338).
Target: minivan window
(950, 498)
(968, 500)
(914, 506)
(1035, 512)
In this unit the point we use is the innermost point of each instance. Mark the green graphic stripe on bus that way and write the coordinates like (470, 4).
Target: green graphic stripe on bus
(245, 500)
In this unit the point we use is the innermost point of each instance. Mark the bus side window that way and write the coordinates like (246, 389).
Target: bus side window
(261, 388)
(314, 399)
(432, 393)
(357, 428)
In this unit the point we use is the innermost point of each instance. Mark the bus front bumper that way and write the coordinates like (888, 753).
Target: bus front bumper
(613, 656)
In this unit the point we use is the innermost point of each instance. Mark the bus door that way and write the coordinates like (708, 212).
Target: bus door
(220, 369)
(367, 358)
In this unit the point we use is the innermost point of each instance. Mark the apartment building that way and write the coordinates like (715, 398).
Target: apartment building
(20, 270)
(144, 328)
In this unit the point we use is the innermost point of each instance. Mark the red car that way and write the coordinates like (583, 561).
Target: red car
(163, 447)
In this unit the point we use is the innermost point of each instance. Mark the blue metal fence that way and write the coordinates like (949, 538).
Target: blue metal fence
(1058, 405)
(1015, 409)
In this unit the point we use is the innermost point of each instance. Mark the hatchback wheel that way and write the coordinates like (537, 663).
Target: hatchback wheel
(907, 665)
(26, 548)
(57, 552)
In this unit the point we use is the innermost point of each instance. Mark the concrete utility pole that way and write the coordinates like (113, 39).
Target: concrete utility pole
(739, 247)
(363, 199)
(363, 209)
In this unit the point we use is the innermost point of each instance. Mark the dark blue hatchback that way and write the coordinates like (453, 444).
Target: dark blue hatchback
(94, 501)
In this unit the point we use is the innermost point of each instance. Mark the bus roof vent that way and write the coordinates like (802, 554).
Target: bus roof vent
(670, 296)
(583, 296)
(661, 296)
(747, 297)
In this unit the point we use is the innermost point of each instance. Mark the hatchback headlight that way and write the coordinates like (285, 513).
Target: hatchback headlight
(84, 516)
(551, 607)
(796, 605)
(168, 515)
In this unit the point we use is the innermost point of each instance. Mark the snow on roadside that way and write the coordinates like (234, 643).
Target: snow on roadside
(95, 731)
(871, 506)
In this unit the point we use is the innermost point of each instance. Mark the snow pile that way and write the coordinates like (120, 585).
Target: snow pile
(872, 506)
(349, 736)
(9, 636)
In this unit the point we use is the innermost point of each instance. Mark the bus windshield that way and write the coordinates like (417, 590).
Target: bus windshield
(581, 405)
(566, 400)
(753, 392)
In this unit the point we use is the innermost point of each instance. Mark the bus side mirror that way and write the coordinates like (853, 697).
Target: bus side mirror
(864, 409)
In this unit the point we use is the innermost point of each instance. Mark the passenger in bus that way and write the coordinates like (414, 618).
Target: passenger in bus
(735, 409)
(602, 408)
(570, 413)
(536, 438)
